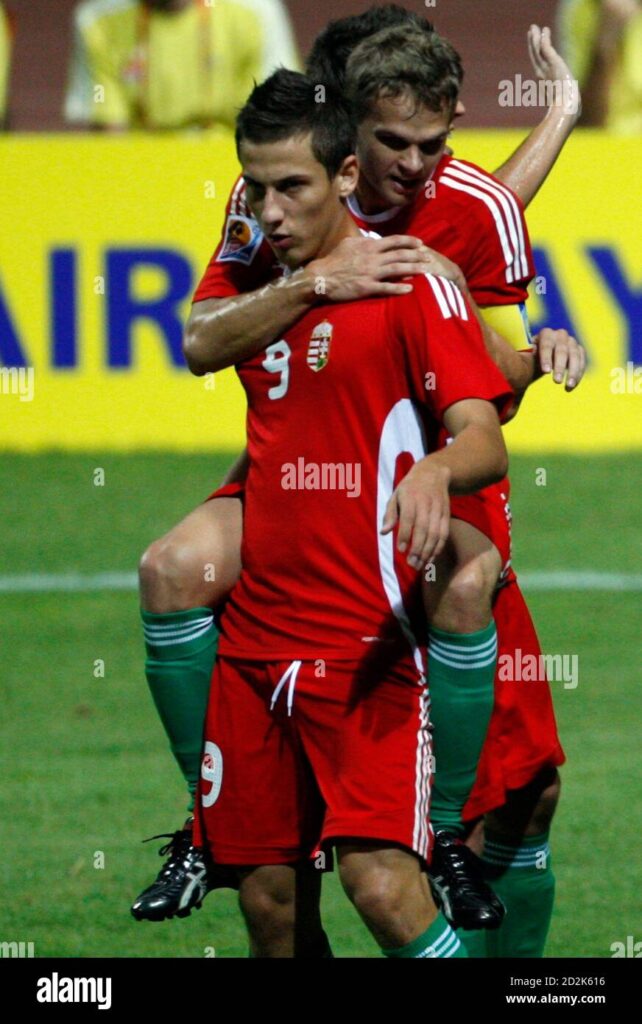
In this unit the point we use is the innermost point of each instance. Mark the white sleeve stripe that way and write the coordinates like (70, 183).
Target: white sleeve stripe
(450, 298)
(496, 187)
(457, 300)
(446, 289)
(443, 305)
(463, 312)
(509, 204)
(501, 189)
(482, 176)
(509, 256)
(506, 210)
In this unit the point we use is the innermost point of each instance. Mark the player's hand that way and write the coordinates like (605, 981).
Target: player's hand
(445, 268)
(549, 66)
(421, 507)
(365, 267)
(560, 355)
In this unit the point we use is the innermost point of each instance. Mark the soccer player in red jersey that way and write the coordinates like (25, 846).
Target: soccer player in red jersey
(495, 267)
(320, 674)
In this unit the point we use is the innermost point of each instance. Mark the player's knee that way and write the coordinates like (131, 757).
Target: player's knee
(173, 577)
(467, 600)
(263, 904)
(376, 892)
(269, 913)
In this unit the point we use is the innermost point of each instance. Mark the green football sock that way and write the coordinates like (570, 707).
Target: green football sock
(439, 940)
(522, 877)
(181, 649)
(475, 943)
(461, 675)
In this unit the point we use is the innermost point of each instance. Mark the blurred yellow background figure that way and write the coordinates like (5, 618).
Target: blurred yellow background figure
(168, 64)
(5, 62)
(602, 41)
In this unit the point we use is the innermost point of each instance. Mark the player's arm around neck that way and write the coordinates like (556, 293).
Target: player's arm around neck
(224, 332)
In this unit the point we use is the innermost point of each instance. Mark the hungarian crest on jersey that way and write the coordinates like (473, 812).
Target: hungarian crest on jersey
(319, 347)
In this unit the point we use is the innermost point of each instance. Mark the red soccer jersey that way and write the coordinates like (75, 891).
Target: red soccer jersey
(463, 212)
(348, 391)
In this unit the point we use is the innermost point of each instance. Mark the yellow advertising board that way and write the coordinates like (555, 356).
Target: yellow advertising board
(104, 238)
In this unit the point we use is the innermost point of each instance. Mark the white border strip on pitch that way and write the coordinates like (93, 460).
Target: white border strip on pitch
(580, 580)
(71, 582)
(76, 582)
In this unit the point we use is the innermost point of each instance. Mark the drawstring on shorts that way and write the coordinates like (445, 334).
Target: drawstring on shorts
(289, 676)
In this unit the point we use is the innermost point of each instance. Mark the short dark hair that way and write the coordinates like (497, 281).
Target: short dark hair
(332, 47)
(399, 61)
(289, 104)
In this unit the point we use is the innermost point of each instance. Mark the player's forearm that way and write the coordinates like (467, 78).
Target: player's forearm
(517, 367)
(528, 167)
(528, 372)
(476, 458)
(226, 332)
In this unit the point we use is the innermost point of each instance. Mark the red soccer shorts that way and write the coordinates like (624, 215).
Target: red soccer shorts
(522, 736)
(344, 752)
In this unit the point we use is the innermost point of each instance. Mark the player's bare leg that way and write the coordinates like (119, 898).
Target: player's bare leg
(267, 903)
(387, 888)
(513, 841)
(197, 563)
(183, 576)
(462, 658)
(280, 905)
(460, 599)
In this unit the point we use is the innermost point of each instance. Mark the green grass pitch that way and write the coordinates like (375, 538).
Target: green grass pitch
(86, 769)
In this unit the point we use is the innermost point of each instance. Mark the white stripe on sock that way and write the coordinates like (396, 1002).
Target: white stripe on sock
(463, 653)
(517, 857)
(479, 661)
(182, 639)
(444, 946)
(152, 629)
(437, 639)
